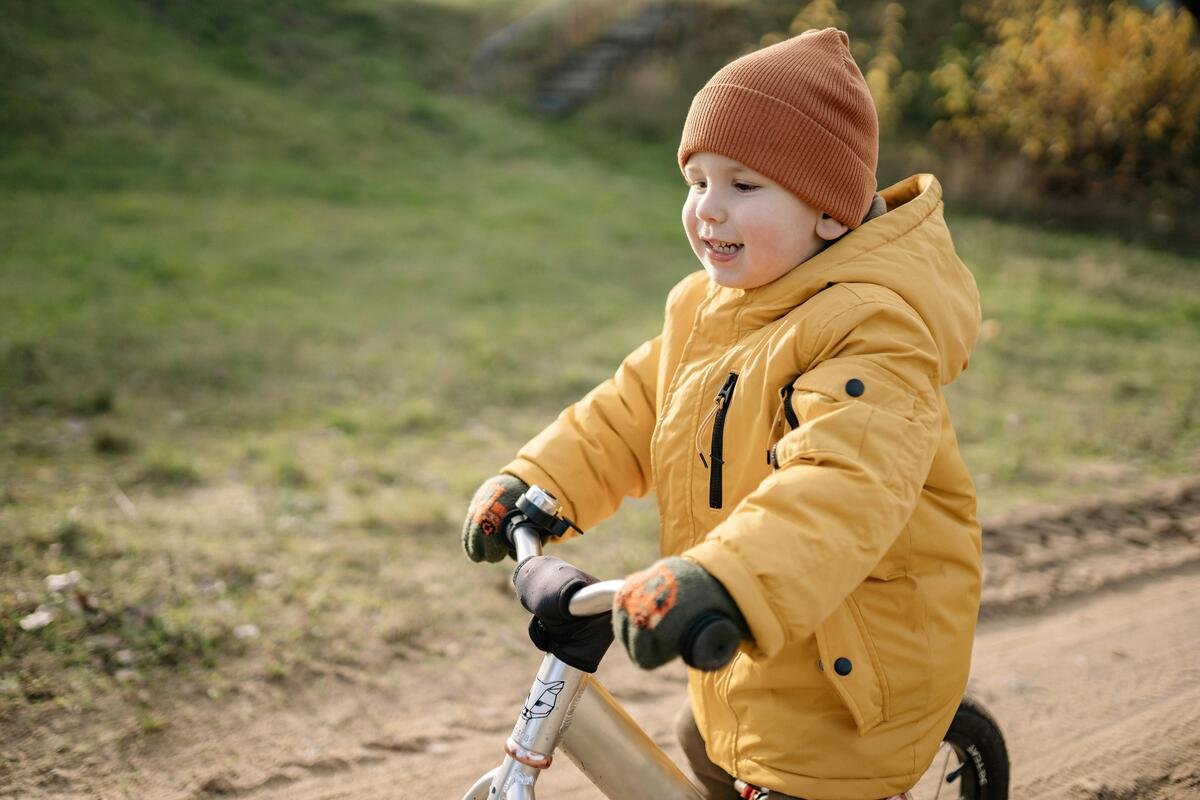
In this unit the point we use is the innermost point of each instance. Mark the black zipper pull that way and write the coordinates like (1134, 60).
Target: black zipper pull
(789, 413)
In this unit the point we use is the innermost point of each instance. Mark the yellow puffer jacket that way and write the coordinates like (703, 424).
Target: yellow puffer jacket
(828, 496)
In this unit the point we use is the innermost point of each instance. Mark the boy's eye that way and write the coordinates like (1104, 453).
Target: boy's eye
(742, 186)
(698, 184)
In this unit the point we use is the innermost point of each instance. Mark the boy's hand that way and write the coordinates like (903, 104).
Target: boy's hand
(483, 530)
(656, 607)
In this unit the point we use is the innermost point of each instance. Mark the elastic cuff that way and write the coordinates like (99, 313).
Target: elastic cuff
(726, 566)
(534, 475)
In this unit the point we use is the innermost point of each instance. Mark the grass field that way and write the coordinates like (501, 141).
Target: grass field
(275, 303)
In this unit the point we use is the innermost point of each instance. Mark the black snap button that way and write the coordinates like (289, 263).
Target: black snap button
(854, 387)
(842, 666)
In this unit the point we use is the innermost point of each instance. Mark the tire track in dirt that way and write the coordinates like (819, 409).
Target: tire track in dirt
(1040, 557)
(1100, 700)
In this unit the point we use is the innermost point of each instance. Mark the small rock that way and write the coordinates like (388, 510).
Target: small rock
(9, 687)
(218, 784)
(1019, 685)
(55, 777)
(38, 619)
(210, 588)
(267, 580)
(60, 583)
(125, 657)
(247, 631)
(104, 642)
(127, 675)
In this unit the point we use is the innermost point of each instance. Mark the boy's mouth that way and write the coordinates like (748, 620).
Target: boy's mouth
(723, 248)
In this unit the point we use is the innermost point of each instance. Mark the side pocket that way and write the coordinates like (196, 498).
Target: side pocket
(851, 664)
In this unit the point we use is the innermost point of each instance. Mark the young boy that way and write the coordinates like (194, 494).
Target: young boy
(790, 419)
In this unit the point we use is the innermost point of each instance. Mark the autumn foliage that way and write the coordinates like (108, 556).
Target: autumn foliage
(1103, 98)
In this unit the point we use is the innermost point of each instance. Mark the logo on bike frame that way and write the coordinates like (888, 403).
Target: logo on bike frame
(541, 699)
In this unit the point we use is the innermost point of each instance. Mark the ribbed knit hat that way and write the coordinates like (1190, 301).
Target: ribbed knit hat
(798, 112)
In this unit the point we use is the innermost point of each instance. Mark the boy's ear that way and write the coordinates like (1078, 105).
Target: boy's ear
(829, 228)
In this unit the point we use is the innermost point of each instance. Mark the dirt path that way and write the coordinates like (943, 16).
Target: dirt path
(1088, 655)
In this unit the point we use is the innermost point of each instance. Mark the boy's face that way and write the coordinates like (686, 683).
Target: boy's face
(746, 229)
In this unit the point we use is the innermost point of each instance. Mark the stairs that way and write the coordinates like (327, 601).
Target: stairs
(589, 67)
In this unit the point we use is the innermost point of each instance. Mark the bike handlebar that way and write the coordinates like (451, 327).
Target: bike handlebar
(526, 539)
(708, 644)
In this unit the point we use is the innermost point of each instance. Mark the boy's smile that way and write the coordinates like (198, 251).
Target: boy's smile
(746, 229)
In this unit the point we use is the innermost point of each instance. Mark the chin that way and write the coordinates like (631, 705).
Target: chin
(723, 278)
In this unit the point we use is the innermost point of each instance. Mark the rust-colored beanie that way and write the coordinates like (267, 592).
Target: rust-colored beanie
(800, 113)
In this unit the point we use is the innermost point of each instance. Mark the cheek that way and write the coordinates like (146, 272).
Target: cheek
(778, 241)
(688, 218)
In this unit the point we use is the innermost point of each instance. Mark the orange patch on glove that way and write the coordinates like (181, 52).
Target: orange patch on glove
(490, 513)
(648, 595)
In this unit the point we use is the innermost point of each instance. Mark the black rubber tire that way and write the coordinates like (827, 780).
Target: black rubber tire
(977, 740)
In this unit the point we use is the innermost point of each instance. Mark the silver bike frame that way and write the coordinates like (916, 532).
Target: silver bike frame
(570, 710)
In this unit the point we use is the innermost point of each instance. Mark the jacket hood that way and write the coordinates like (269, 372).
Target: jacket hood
(908, 249)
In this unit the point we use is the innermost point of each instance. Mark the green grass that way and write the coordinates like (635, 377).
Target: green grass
(277, 297)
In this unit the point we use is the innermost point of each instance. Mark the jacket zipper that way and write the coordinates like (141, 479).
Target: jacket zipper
(792, 420)
(717, 451)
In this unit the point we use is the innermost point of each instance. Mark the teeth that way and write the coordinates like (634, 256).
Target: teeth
(723, 248)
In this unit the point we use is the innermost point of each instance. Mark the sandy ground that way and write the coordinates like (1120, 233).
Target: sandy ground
(1088, 655)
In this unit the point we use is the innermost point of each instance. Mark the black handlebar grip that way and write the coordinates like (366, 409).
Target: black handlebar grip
(710, 641)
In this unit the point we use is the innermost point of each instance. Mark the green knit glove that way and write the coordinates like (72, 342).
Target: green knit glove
(656, 607)
(483, 530)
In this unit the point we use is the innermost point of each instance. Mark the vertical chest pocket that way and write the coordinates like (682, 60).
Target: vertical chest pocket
(715, 463)
(785, 420)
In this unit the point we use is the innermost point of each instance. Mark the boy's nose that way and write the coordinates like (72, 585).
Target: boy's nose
(709, 210)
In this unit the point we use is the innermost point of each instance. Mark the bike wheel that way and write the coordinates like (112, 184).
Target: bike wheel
(972, 763)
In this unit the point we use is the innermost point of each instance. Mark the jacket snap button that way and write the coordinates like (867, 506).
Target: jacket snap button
(842, 666)
(854, 387)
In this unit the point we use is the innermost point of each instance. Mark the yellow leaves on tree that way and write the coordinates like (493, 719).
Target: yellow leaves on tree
(1103, 96)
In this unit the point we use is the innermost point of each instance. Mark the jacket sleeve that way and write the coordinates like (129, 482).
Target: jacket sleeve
(598, 450)
(850, 473)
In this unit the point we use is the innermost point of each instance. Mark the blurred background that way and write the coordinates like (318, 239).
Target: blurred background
(282, 282)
